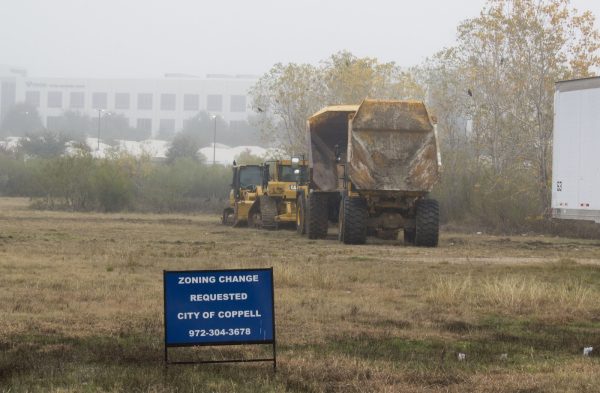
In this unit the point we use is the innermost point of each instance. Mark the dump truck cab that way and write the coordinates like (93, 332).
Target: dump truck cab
(373, 165)
(246, 186)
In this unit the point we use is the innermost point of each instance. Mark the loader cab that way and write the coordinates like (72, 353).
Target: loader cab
(291, 173)
(246, 177)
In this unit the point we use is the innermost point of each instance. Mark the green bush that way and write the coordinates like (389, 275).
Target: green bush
(120, 182)
(112, 186)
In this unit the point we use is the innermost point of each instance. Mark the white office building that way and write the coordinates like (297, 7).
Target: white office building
(158, 105)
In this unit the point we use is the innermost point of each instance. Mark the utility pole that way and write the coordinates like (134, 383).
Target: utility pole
(99, 119)
(214, 139)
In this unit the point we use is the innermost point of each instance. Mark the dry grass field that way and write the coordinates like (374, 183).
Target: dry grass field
(81, 308)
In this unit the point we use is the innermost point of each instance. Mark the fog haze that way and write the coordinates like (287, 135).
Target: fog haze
(147, 38)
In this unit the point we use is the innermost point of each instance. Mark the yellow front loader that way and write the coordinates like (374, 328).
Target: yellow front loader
(275, 203)
(246, 187)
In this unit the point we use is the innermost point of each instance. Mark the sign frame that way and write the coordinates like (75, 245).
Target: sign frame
(223, 343)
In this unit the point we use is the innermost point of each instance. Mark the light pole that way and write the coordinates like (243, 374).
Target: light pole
(99, 120)
(214, 117)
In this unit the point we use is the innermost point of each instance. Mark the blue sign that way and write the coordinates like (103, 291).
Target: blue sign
(219, 307)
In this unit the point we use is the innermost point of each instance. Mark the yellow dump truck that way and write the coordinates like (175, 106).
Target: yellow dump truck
(372, 167)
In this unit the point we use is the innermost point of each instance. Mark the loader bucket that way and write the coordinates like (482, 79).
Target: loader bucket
(393, 147)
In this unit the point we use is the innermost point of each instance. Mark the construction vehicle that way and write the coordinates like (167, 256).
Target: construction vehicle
(372, 167)
(245, 189)
(276, 202)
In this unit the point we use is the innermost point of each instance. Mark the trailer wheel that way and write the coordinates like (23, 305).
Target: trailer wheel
(301, 215)
(353, 221)
(427, 223)
(268, 212)
(317, 216)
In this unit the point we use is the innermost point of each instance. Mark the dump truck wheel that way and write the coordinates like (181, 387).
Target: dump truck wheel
(317, 216)
(427, 229)
(268, 212)
(300, 216)
(353, 220)
(409, 236)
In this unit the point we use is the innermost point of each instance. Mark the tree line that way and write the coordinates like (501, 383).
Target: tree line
(492, 94)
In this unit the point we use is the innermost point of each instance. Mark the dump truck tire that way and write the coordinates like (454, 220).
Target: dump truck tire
(301, 216)
(268, 212)
(409, 236)
(353, 221)
(317, 216)
(427, 229)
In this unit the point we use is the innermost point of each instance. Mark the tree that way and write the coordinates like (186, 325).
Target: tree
(500, 76)
(21, 120)
(247, 158)
(186, 145)
(202, 128)
(45, 145)
(288, 94)
(116, 126)
(73, 124)
(283, 99)
(349, 79)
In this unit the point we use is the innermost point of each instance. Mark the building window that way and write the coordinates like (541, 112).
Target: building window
(33, 98)
(238, 104)
(214, 102)
(144, 125)
(166, 127)
(53, 123)
(54, 99)
(167, 102)
(191, 102)
(122, 101)
(76, 99)
(145, 101)
(99, 100)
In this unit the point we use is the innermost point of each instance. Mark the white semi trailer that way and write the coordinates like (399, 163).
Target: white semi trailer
(576, 150)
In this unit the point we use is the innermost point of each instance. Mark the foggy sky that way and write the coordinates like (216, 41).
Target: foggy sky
(147, 38)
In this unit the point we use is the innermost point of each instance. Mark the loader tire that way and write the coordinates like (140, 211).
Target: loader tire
(427, 229)
(301, 215)
(268, 212)
(353, 221)
(254, 218)
(317, 216)
(227, 218)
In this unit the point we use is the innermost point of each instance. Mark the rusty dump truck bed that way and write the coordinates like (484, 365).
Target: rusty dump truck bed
(388, 145)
